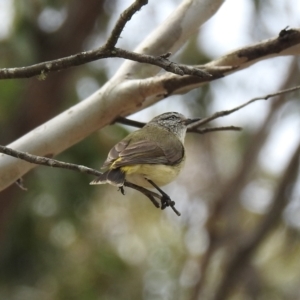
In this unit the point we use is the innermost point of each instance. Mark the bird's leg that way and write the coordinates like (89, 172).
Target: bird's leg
(151, 195)
(165, 200)
(121, 189)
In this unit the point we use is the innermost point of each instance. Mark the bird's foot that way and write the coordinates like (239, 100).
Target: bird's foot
(166, 201)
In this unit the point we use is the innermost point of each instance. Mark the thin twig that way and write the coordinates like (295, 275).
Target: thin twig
(266, 97)
(122, 21)
(45, 161)
(224, 113)
(213, 129)
(194, 126)
(42, 69)
(138, 124)
(50, 162)
(216, 241)
(108, 50)
(129, 122)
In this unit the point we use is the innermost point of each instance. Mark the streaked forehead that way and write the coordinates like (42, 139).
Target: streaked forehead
(169, 115)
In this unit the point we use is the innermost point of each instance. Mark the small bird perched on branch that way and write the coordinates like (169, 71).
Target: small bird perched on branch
(152, 156)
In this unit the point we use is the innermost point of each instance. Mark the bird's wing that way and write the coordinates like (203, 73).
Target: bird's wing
(144, 152)
(114, 153)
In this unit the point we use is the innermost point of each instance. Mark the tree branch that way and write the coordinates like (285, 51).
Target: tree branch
(42, 69)
(108, 50)
(49, 162)
(224, 113)
(124, 95)
(214, 129)
(232, 190)
(286, 43)
(194, 127)
(120, 96)
(137, 124)
(124, 18)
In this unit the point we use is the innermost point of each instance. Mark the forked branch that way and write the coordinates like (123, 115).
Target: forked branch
(107, 50)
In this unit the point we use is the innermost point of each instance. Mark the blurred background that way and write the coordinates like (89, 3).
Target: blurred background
(239, 194)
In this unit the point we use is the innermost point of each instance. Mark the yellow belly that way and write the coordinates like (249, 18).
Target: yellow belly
(159, 174)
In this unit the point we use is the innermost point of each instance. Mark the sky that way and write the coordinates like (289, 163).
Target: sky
(6, 17)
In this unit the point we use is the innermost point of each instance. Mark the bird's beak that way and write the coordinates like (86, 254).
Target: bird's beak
(190, 121)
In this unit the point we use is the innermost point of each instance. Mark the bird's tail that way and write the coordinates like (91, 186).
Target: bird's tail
(113, 176)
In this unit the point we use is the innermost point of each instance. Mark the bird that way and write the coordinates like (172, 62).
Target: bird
(152, 156)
